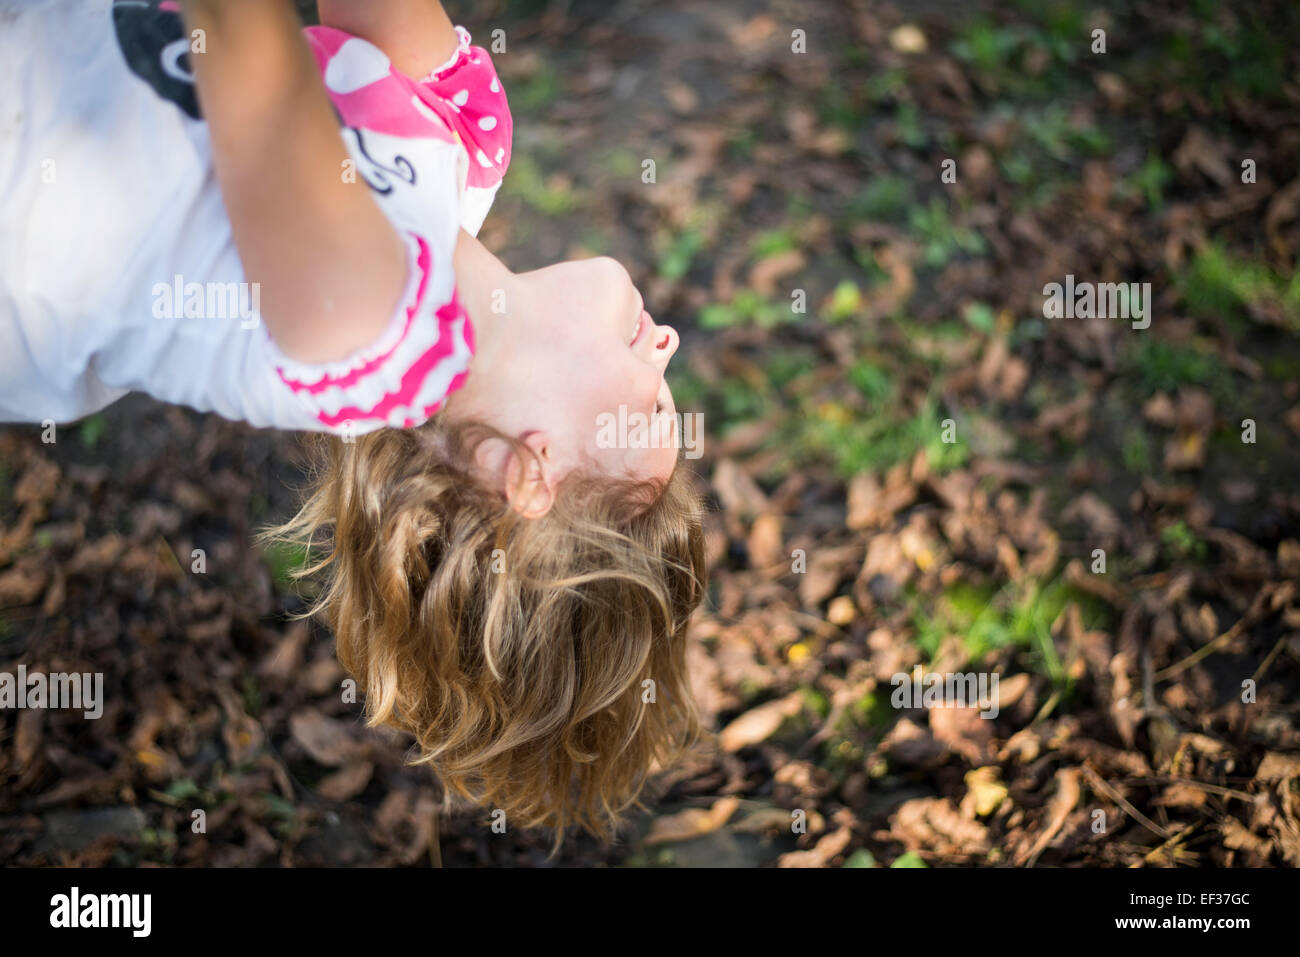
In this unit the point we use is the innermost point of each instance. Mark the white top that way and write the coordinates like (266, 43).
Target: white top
(117, 267)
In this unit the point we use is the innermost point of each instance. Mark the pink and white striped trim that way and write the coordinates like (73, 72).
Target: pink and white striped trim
(404, 378)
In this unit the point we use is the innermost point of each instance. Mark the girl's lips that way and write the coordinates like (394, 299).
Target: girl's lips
(641, 328)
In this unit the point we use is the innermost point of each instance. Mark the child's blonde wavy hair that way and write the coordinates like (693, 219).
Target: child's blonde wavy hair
(540, 663)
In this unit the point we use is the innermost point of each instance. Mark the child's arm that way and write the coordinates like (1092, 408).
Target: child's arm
(416, 35)
(331, 267)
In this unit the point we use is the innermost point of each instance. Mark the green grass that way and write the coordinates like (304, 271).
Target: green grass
(866, 427)
(158, 845)
(980, 317)
(875, 382)
(92, 429)
(815, 701)
(535, 92)
(1054, 132)
(1136, 451)
(941, 238)
(838, 106)
(884, 199)
(740, 144)
(281, 814)
(907, 122)
(910, 859)
(771, 242)
(854, 442)
(181, 790)
(551, 196)
(746, 307)
(1047, 150)
(1160, 366)
(1182, 544)
(1016, 615)
(1065, 28)
(679, 252)
(861, 858)
(1235, 50)
(733, 400)
(783, 367)
(619, 162)
(998, 54)
(872, 711)
(283, 559)
(740, 402)
(1018, 168)
(1151, 179)
(1218, 284)
(888, 84)
(988, 47)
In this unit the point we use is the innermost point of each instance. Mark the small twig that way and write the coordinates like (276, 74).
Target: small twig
(1048, 707)
(1217, 644)
(1095, 780)
(1148, 681)
(1210, 788)
(1268, 660)
(1152, 581)
(1174, 839)
(1202, 652)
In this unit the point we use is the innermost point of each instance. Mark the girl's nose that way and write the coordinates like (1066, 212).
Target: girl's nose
(665, 343)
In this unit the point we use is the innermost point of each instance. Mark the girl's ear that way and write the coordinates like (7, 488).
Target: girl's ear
(530, 483)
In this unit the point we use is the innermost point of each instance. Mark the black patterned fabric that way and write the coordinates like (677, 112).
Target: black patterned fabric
(152, 38)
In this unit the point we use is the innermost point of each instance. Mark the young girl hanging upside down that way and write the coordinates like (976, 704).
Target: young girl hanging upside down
(208, 203)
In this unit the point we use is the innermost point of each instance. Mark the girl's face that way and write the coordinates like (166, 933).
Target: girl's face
(599, 361)
(568, 360)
